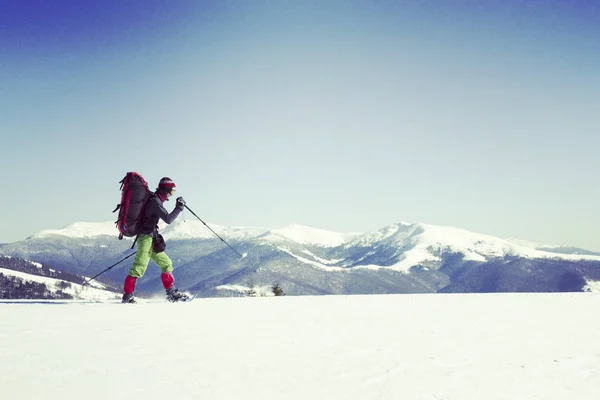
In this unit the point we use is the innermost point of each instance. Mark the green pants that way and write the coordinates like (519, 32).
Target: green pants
(143, 256)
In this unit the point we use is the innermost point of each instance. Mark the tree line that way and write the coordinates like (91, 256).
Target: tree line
(12, 287)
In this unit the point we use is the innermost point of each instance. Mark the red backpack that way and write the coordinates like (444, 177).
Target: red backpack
(134, 194)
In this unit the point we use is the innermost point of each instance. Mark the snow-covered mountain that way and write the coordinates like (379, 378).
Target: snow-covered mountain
(184, 229)
(24, 279)
(561, 249)
(425, 242)
(421, 244)
(399, 258)
(79, 230)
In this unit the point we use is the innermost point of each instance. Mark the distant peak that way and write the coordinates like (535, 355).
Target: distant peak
(81, 230)
(530, 244)
(308, 235)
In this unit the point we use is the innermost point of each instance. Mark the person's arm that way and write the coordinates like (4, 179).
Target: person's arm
(162, 213)
(165, 216)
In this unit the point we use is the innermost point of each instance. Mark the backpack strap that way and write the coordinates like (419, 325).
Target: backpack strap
(122, 182)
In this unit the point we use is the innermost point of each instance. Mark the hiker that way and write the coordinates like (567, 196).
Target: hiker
(151, 244)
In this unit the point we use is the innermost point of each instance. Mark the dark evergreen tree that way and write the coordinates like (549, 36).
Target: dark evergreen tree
(277, 290)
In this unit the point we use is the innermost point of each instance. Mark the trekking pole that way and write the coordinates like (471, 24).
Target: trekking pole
(242, 256)
(95, 276)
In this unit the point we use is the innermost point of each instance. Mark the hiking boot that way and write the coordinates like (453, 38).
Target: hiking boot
(174, 295)
(128, 298)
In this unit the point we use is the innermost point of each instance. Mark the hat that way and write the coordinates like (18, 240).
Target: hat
(166, 184)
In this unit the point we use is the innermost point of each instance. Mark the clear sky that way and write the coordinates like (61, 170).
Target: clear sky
(341, 115)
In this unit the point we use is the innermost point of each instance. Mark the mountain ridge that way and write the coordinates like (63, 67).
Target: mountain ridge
(300, 233)
(398, 258)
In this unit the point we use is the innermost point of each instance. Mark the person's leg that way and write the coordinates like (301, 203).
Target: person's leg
(166, 266)
(140, 263)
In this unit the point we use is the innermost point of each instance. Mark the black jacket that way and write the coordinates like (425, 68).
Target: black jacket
(153, 211)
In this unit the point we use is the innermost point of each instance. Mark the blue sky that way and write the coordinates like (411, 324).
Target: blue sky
(341, 115)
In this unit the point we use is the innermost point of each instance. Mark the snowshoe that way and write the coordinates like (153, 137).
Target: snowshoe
(128, 298)
(174, 295)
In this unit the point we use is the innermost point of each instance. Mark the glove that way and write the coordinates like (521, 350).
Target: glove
(180, 202)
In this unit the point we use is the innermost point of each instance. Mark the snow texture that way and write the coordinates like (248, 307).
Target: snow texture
(592, 286)
(426, 347)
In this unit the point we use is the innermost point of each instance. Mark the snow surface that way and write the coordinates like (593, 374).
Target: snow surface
(322, 260)
(262, 291)
(315, 264)
(530, 244)
(426, 347)
(234, 288)
(592, 286)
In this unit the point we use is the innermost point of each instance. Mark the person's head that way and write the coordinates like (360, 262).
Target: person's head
(166, 188)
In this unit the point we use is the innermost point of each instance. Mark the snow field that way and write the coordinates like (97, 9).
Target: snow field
(463, 347)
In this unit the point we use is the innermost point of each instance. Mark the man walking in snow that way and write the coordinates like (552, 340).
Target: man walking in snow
(151, 245)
